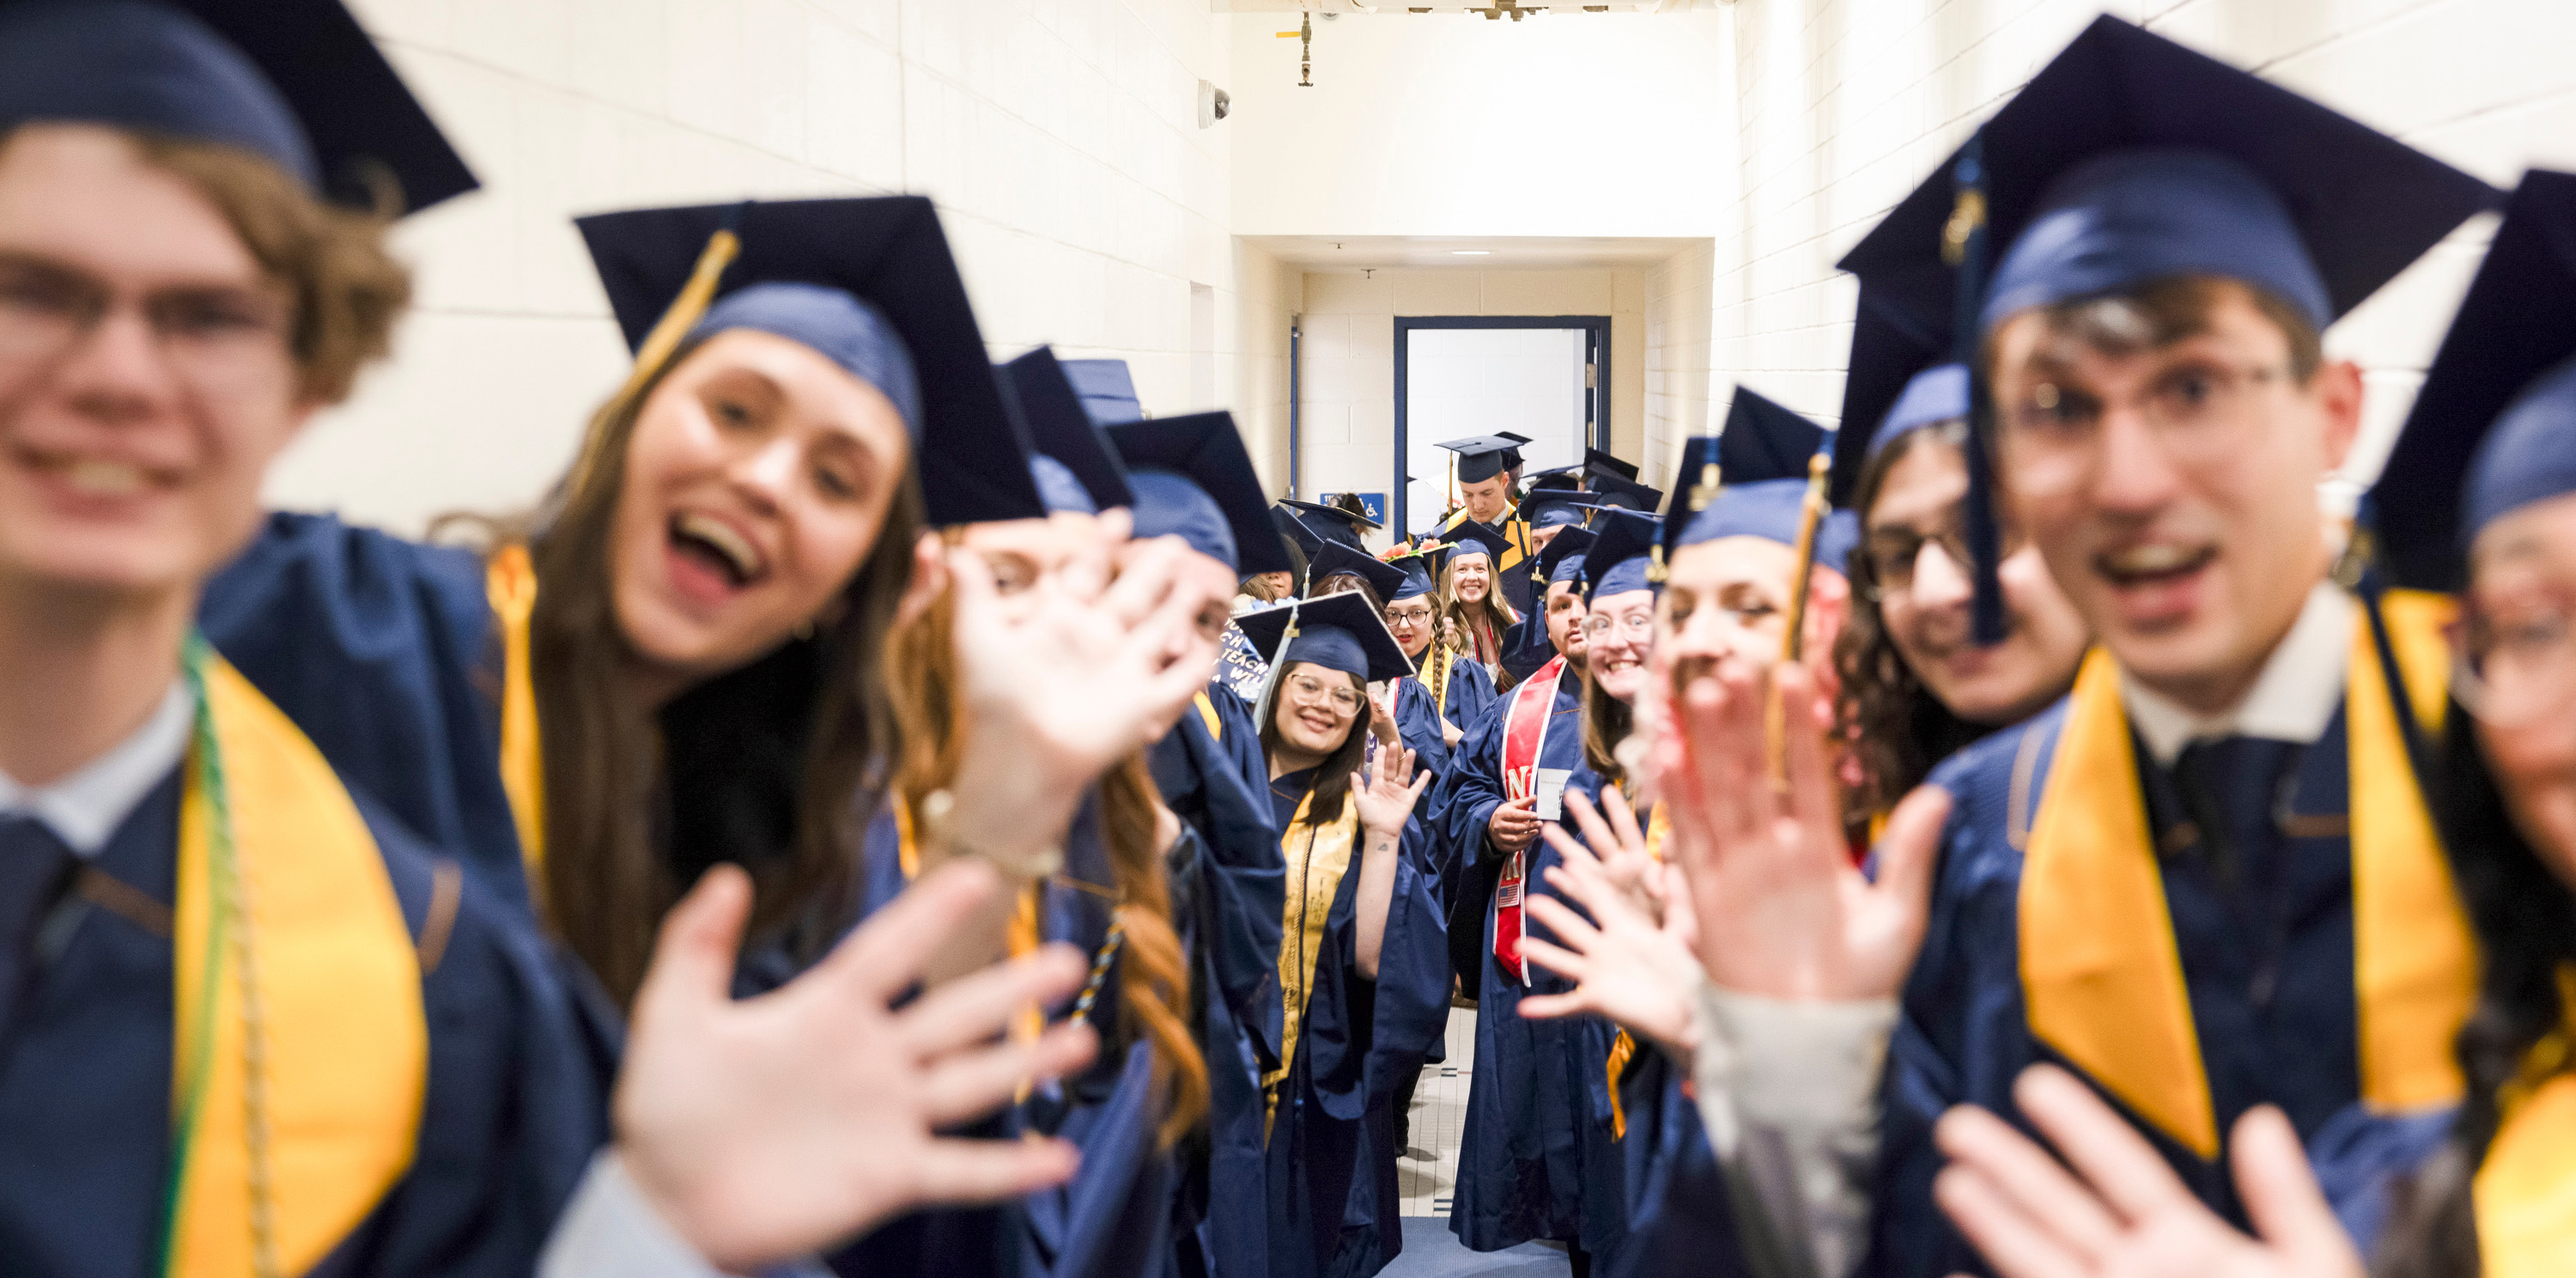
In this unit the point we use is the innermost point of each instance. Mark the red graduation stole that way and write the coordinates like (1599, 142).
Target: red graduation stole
(1524, 733)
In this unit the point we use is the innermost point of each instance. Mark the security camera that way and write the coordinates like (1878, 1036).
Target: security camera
(1213, 104)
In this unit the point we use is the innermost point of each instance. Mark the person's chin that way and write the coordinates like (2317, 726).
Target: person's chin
(105, 560)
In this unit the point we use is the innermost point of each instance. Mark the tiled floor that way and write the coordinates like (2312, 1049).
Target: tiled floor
(1427, 1172)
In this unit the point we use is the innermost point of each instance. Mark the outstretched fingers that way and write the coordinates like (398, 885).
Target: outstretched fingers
(2099, 1144)
(887, 953)
(2281, 1195)
(968, 1085)
(974, 1007)
(986, 1171)
(2032, 1184)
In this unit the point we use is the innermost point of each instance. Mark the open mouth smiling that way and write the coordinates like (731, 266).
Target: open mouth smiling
(718, 547)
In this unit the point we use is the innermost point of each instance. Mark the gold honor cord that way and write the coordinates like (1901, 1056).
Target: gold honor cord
(1793, 644)
(299, 1046)
(683, 314)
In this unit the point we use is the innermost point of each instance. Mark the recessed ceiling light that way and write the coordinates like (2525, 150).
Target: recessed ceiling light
(1471, 252)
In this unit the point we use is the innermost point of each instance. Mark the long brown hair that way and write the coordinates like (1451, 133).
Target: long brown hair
(1497, 609)
(1332, 776)
(1607, 721)
(1154, 981)
(764, 765)
(1882, 711)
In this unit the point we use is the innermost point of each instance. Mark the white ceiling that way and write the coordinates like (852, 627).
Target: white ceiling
(1361, 252)
(1457, 6)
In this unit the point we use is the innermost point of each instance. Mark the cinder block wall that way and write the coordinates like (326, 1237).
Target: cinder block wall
(1059, 136)
(1843, 105)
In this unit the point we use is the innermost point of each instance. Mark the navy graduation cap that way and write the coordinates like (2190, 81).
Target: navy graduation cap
(1597, 462)
(1896, 382)
(1764, 439)
(1481, 457)
(1332, 523)
(1192, 479)
(2130, 158)
(1562, 560)
(1620, 494)
(1472, 538)
(1383, 577)
(867, 283)
(1338, 632)
(1620, 556)
(1552, 507)
(1296, 529)
(1107, 389)
(1768, 507)
(1075, 469)
(294, 81)
(1418, 567)
(2494, 428)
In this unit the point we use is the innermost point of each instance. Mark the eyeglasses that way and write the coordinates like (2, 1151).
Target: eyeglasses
(223, 341)
(1408, 616)
(1895, 550)
(1307, 690)
(2199, 411)
(2516, 665)
(1635, 625)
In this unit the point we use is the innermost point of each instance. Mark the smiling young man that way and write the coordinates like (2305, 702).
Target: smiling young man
(1486, 466)
(2206, 880)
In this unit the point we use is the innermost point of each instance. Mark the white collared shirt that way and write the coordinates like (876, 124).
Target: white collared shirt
(85, 808)
(2293, 699)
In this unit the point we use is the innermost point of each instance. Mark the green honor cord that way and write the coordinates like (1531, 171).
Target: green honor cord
(197, 1066)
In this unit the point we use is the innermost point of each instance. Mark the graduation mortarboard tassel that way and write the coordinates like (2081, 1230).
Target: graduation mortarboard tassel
(2129, 159)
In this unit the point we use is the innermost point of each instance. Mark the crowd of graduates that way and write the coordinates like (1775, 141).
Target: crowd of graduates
(886, 813)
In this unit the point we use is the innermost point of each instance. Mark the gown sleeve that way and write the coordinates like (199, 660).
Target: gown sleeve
(382, 651)
(1471, 694)
(523, 1047)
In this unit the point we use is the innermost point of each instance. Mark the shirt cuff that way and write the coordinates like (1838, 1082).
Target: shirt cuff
(610, 1231)
(1798, 1067)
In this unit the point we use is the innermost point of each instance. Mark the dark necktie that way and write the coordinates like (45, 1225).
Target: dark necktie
(33, 864)
(2227, 787)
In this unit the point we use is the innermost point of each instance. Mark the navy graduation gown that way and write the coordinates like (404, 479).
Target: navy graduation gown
(1470, 694)
(383, 652)
(1537, 1160)
(514, 1108)
(1228, 893)
(1335, 1208)
(1111, 1220)
(2267, 960)
(1681, 1223)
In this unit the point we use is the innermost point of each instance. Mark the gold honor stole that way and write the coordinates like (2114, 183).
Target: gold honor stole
(1317, 857)
(1209, 716)
(2101, 974)
(510, 584)
(268, 835)
(1623, 1046)
(2525, 1191)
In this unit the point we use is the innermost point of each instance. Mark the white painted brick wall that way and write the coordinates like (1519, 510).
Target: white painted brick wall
(1844, 105)
(1059, 136)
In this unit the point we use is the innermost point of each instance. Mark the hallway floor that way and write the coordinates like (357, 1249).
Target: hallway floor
(1428, 1171)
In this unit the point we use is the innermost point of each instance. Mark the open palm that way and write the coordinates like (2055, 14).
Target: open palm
(1086, 673)
(1625, 965)
(1781, 910)
(766, 1128)
(1387, 790)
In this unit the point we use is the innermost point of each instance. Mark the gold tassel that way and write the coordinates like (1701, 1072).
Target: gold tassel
(1811, 512)
(1621, 1049)
(682, 315)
